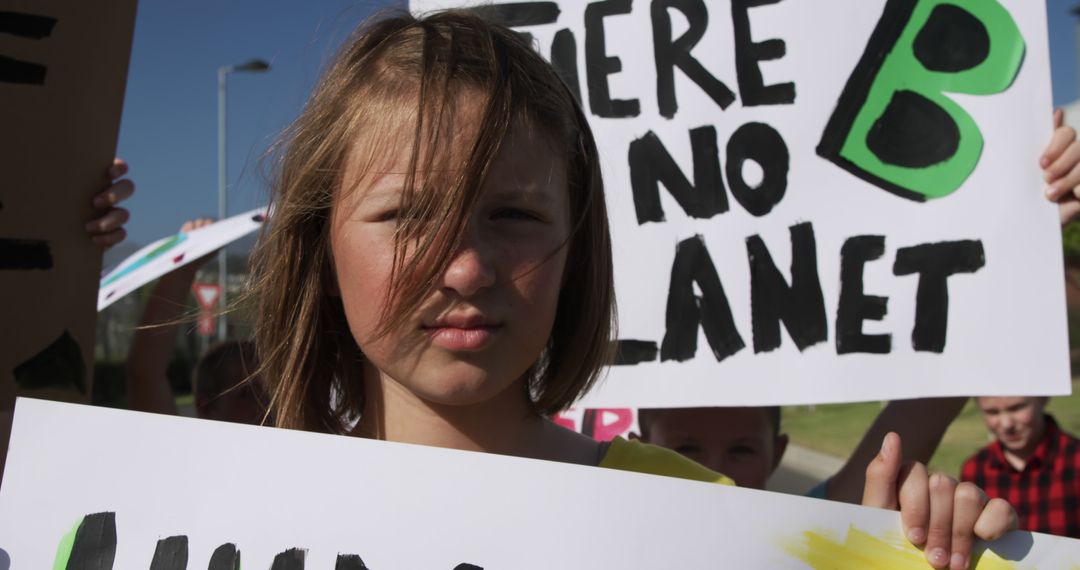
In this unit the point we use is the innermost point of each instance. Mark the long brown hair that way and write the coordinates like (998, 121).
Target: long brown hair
(402, 74)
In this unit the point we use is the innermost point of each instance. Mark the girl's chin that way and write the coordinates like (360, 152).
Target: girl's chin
(463, 392)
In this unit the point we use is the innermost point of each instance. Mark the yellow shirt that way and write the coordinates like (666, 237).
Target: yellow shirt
(655, 460)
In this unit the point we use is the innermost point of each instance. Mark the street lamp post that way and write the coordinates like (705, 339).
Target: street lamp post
(252, 66)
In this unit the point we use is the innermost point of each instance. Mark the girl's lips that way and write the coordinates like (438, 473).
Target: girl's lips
(462, 338)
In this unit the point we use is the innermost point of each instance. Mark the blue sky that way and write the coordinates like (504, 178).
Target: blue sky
(168, 132)
(169, 127)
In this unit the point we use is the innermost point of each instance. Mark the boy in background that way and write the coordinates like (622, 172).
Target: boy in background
(1031, 463)
(747, 444)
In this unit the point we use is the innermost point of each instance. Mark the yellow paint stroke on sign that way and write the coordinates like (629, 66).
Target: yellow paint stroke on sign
(863, 550)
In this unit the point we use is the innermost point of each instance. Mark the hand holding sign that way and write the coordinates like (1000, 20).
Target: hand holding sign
(1061, 168)
(108, 228)
(937, 513)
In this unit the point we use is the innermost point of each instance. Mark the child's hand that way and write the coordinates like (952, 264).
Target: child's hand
(196, 224)
(939, 514)
(108, 228)
(1061, 168)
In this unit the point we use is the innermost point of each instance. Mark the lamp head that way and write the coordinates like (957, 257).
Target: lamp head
(254, 65)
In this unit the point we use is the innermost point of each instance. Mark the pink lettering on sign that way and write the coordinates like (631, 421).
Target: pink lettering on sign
(561, 419)
(604, 424)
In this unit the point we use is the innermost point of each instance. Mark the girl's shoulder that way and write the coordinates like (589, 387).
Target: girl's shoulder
(655, 460)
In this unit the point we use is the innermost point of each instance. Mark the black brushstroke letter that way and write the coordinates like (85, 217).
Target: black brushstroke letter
(25, 254)
(564, 60)
(27, 26)
(598, 65)
(748, 53)
(651, 165)
(225, 557)
(171, 554)
(855, 306)
(349, 562)
(686, 311)
(801, 306)
(629, 352)
(291, 559)
(94, 547)
(762, 144)
(59, 365)
(670, 54)
(935, 262)
(520, 14)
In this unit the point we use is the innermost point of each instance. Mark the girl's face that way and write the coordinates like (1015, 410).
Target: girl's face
(492, 310)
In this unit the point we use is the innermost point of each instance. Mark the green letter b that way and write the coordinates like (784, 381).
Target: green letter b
(893, 125)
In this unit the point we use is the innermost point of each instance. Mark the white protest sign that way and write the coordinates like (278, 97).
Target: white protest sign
(137, 483)
(835, 200)
(168, 253)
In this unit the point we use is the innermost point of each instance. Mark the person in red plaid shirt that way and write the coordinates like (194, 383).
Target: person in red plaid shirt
(1032, 464)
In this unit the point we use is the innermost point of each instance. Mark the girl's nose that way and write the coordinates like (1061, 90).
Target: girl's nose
(471, 270)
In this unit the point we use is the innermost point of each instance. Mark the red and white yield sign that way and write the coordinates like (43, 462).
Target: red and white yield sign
(207, 294)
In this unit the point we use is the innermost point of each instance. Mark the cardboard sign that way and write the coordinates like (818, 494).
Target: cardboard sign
(171, 252)
(824, 201)
(151, 491)
(63, 67)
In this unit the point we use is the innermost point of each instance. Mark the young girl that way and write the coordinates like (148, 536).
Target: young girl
(437, 269)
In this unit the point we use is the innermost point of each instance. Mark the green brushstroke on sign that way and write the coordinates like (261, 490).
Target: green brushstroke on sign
(63, 551)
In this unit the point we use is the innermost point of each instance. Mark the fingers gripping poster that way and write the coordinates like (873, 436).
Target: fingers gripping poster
(835, 200)
(63, 67)
(127, 490)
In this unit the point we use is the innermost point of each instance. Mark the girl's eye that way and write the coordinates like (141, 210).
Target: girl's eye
(742, 450)
(387, 216)
(688, 449)
(398, 215)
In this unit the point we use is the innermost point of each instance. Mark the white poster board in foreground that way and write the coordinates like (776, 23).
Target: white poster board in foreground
(819, 201)
(269, 491)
